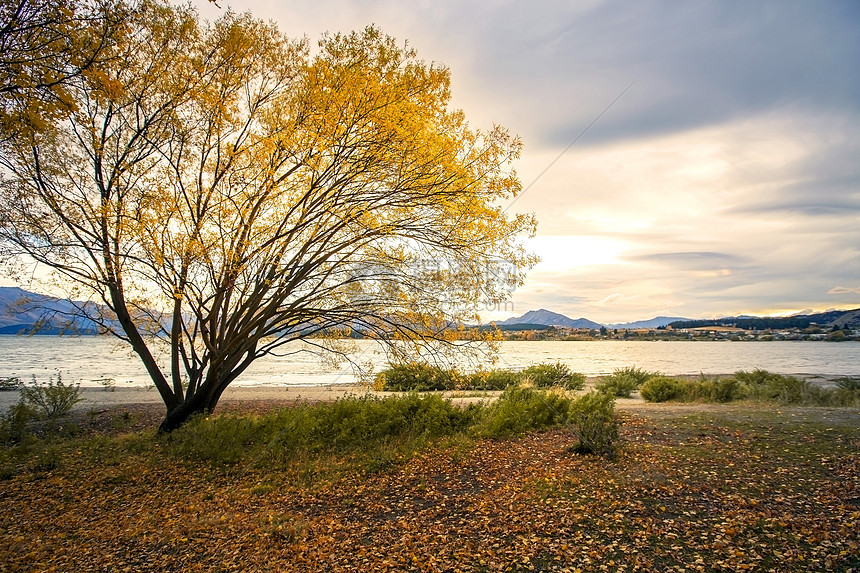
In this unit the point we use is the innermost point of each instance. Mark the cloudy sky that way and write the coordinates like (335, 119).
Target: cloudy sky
(683, 158)
(724, 180)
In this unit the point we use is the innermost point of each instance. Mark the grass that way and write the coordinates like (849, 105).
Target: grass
(714, 487)
(757, 386)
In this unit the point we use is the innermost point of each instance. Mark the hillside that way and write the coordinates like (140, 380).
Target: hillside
(548, 318)
(657, 322)
(834, 318)
(23, 312)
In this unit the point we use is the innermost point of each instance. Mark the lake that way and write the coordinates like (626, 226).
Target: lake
(86, 360)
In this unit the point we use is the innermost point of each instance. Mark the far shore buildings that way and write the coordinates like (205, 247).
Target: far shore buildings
(715, 332)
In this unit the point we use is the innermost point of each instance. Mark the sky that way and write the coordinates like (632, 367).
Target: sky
(683, 158)
(715, 165)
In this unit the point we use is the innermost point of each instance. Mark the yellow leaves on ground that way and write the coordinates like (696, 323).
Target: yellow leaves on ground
(514, 505)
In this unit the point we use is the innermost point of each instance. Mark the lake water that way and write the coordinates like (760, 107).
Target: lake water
(87, 360)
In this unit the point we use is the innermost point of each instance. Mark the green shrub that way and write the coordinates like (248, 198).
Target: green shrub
(490, 380)
(623, 381)
(618, 386)
(758, 378)
(848, 383)
(692, 390)
(415, 376)
(763, 385)
(521, 409)
(13, 424)
(796, 391)
(592, 419)
(420, 377)
(54, 399)
(665, 389)
(661, 389)
(725, 390)
(547, 375)
(637, 374)
(842, 397)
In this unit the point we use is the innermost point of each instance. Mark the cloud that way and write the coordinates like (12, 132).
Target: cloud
(695, 260)
(844, 290)
(695, 64)
(724, 181)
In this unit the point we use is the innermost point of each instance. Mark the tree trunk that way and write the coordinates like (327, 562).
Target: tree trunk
(199, 403)
(204, 400)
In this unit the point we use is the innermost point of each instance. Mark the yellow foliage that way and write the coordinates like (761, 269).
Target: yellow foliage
(249, 192)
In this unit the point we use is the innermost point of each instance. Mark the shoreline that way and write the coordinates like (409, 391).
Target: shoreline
(93, 398)
(101, 398)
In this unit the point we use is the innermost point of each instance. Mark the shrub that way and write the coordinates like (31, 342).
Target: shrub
(618, 386)
(592, 419)
(637, 374)
(765, 385)
(415, 376)
(791, 390)
(13, 424)
(842, 397)
(756, 379)
(661, 389)
(490, 380)
(623, 381)
(758, 385)
(848, 383)
(54, 399)
(520, 409)
(420, 377)
(547, 375)
(725, 390)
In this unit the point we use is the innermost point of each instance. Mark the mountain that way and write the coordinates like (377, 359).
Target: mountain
(850, 319)
(23, 312)
(831, 319)
(653, 323)
(547, 318)
(535, 319)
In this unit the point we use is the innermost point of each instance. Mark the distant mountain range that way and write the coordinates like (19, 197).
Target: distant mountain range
(657, 322)
(543, 318)
(23, 312)
(832, 319)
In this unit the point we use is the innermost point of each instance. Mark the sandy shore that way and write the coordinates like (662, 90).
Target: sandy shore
(96, 398)
(101, 398)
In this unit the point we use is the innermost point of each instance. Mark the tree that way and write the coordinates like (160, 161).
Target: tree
(220, 188)
(45, 44)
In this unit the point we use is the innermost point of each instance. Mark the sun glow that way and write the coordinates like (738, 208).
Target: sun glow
(565, 252)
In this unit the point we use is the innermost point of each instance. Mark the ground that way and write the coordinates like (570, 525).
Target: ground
(693, 488)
